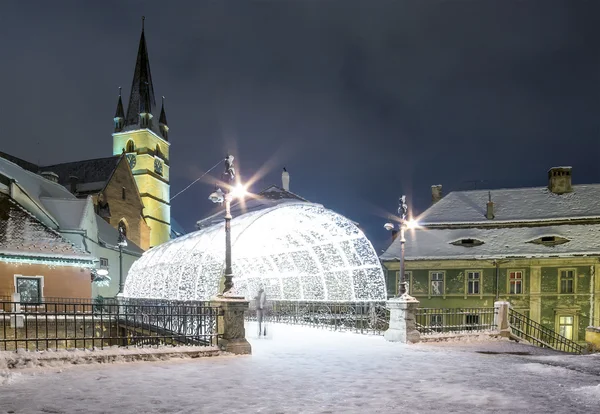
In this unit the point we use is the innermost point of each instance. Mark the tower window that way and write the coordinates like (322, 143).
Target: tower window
(130, 146)
(123, 193)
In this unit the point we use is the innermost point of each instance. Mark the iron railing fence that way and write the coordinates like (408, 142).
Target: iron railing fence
(433, 321)
(370, 317)
(536, 334)
(131, 322)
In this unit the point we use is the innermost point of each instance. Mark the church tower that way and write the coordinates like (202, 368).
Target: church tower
(145, 143)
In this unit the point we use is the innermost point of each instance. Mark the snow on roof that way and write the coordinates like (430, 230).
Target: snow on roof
(435, 244)
(109, 236)
(67, 211)
(24, 235)
(515, 205)
(36, 186)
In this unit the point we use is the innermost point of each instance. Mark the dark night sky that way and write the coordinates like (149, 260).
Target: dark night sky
(361, 100)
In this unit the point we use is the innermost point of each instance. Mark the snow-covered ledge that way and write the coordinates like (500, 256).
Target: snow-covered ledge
(402, 326)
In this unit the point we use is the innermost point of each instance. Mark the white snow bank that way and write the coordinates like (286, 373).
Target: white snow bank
(53, 358)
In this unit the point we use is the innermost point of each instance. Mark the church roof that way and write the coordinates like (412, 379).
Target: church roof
(95, 172)
(141, 98)
(21, 234)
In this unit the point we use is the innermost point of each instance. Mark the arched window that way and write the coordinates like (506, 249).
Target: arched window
(158, 154)
(130, 146)
(123, 227)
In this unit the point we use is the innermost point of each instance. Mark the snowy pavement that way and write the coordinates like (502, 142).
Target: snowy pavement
(306, 370)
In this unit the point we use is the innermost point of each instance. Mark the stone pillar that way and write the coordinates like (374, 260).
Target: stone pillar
(232, 334)
(501, 318)
(17, 319)
(403, 327)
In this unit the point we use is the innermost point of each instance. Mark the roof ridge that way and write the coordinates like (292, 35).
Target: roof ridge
(79, 161)
(516, 188)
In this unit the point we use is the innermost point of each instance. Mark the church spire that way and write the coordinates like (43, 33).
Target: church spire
(162, 122)
(141, 99)
(119, 114)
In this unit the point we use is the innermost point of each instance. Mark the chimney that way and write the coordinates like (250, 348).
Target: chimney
(73, 184)
(490, 207)
(285, 180)
(559, 180)
(50, 176)
(436, 193)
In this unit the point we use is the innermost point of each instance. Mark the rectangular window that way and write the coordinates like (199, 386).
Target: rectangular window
(103, 262)
(565, 326)
(567, 281)
(473, 280)
(30, 289)
(437, 283)
(123, 193)
(516, 282)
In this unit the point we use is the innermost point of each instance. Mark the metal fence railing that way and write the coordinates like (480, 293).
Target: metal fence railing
(432, 321)
(361, 317)
(129, 322)
(536, 334)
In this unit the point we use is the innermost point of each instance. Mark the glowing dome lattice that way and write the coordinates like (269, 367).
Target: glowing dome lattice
(296, 250)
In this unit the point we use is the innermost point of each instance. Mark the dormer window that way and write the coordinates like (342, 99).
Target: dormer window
(550, 240)
(467, 242)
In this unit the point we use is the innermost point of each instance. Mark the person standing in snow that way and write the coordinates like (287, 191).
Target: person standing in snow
(261, 304)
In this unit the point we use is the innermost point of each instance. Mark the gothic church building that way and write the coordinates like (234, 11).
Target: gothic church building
(130, 189)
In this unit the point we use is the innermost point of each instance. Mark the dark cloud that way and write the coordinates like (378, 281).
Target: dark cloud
(362, 101)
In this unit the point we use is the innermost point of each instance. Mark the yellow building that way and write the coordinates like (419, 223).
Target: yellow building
(145, 143)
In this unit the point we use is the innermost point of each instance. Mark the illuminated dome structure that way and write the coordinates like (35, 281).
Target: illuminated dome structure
(295, 249)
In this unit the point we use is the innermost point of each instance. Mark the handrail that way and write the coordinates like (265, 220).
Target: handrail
(537, 334)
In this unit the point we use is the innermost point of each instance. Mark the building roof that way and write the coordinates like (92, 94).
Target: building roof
(68, 212)
(507, 242)
(96, 171)
(108, 237)
(37, 187)
(514, 206)
(29, 166)
(267, 198)
(21, 234)
(141, 97)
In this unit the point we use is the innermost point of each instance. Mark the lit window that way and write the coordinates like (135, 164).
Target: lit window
(437, 283)
(516, 283)
(567, 280)
(473, 280)
(565, 326)
(30, 289)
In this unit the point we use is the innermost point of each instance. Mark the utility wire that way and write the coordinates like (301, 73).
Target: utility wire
(197, 179)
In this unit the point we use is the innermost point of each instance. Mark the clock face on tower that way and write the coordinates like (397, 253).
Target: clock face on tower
(158, 167)
(132, 160)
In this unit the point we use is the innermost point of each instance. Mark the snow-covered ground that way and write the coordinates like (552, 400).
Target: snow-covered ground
(306, 370)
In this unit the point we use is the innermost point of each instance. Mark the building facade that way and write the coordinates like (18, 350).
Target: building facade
(36, 261)
(538, 248)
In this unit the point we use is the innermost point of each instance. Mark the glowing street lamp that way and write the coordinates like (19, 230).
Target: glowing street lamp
(218, 196)
(404, 224)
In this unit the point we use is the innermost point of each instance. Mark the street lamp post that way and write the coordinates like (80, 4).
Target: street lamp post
(121, 242)
(402, 212)
(218, 196)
